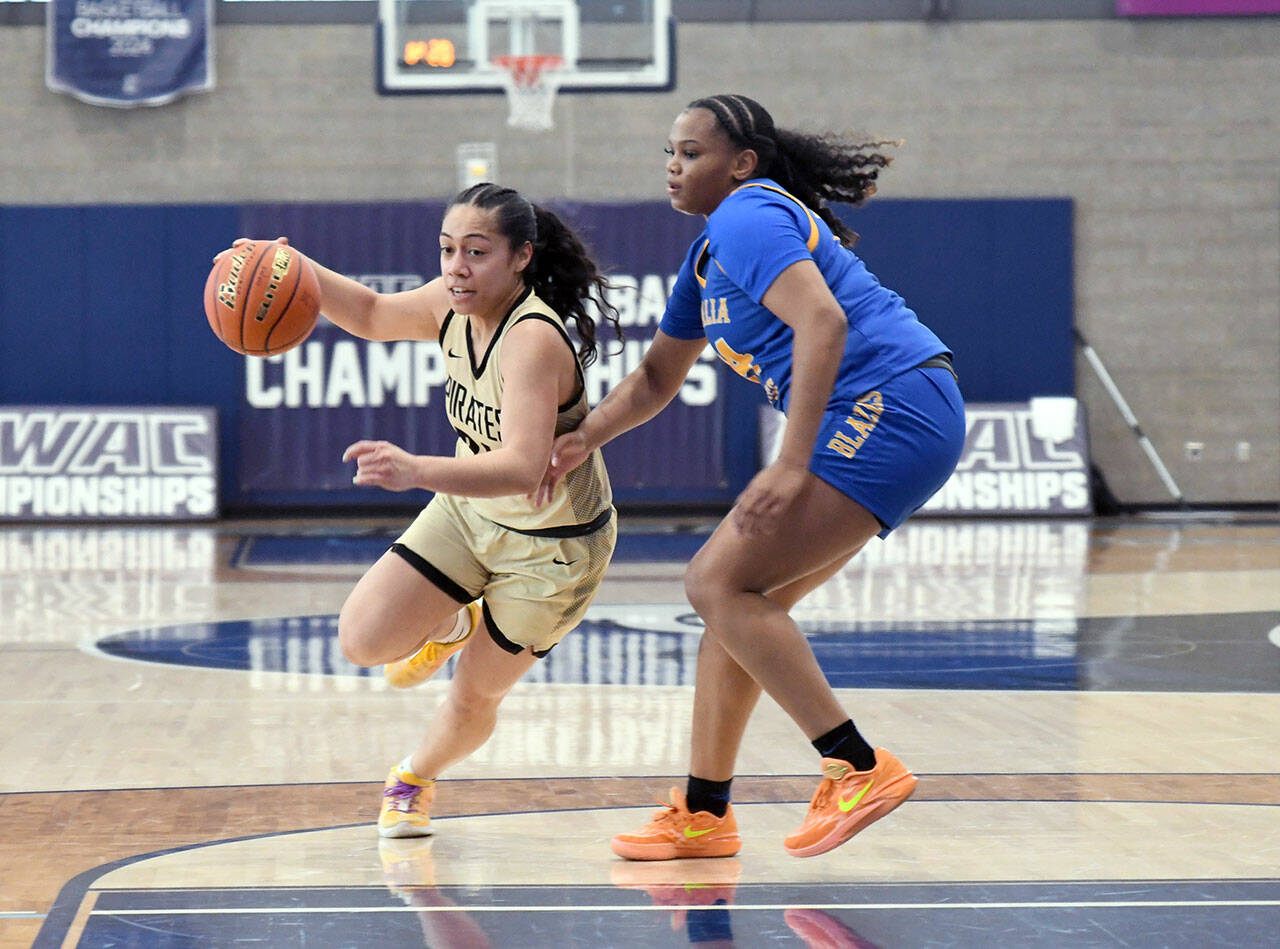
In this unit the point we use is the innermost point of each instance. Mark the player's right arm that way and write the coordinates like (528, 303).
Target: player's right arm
(363, 312)
(642, 394)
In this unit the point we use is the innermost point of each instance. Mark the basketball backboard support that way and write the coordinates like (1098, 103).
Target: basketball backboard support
(427, 46)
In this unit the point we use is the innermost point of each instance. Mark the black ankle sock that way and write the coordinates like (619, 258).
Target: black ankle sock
(704, 795)
(844, 742)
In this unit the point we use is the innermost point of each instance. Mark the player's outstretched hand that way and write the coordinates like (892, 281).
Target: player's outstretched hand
(567, 452)
(242, 240)
(382, 465)
(760, 506)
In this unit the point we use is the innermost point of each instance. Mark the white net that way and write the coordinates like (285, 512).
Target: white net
(531, 83)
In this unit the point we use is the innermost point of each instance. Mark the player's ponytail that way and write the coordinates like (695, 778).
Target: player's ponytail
(563, 274)
(817, 169)
(561, 271)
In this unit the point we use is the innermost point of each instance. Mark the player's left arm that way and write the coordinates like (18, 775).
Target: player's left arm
(535, 363)
(800, 297)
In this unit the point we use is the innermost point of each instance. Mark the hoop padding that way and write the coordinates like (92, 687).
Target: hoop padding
(531, 83)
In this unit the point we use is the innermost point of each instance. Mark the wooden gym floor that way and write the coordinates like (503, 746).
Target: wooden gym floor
(188, 761)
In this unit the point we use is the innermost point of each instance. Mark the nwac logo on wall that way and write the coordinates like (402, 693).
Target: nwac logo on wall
(96, 462)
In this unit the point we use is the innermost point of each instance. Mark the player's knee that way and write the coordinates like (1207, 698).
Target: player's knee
(472, 701)
(356, 640)
(704, 586)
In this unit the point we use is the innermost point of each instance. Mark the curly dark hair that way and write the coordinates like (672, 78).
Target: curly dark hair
(816, 168)
(561, 271)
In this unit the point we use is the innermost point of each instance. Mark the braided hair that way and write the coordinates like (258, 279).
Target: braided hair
(561, 272)
(816, 169)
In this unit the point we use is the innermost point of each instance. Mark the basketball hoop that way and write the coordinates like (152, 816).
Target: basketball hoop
(531, 83)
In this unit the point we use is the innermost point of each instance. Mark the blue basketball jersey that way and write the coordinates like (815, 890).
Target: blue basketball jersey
(756, 233)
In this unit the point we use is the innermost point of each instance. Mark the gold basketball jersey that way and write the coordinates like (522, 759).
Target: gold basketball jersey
(473, 402)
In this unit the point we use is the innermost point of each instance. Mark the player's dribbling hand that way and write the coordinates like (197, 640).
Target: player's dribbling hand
(382, 465)
(567, 452)
(238, 242)
(759, 508)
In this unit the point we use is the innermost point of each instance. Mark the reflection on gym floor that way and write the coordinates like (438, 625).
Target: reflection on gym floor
(188, 760)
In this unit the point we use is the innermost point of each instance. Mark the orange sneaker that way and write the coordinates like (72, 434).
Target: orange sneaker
(847, 801)
(674, 833)
(406, 805)
(423, 664)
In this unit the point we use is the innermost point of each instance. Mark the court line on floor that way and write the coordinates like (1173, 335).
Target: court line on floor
(77, 893)
(758, 907)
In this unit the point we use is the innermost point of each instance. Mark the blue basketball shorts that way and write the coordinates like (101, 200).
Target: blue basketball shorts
(893, 448)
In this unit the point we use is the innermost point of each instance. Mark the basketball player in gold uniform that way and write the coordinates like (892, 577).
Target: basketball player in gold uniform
(482, 571)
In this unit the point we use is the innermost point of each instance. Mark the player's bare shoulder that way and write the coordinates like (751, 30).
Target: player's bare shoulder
(537, 346)
(541, 340)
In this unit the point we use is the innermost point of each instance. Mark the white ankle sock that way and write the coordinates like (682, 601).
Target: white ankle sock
(460, 628)
(406, 767)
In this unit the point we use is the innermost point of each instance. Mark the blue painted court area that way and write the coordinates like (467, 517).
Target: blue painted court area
(1223, 653)
(848, 916)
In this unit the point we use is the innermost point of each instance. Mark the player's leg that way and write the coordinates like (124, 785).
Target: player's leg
(820, 527)
(392, 611)
(415, 607)
(906, 438)
(860, 784)
(537, 592)
(700, 823)
(678, 831)
(725, 694)
(483, 675)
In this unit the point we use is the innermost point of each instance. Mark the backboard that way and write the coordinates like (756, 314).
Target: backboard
(429, 46)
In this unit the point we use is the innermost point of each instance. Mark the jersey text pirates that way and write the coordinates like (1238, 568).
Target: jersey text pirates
(473, 400)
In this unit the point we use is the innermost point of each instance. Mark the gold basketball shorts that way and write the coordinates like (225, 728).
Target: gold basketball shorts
(536, 586)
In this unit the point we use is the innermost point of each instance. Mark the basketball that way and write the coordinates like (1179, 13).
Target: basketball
(262, 298)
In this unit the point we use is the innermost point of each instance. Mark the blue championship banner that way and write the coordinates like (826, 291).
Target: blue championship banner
(302, 408)
(286, 420)
(108, 463)
(129, 52)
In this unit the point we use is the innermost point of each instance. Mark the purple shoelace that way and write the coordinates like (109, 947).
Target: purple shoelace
(402, 792)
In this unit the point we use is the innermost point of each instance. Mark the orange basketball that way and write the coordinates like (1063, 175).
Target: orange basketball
(262, 298)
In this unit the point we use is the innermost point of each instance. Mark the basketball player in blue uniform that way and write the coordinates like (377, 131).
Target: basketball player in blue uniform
(875, 426)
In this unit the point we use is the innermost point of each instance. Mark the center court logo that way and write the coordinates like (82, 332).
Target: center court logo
(616, 645)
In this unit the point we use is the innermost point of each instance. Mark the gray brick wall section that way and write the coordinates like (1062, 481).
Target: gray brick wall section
(1165, 133)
